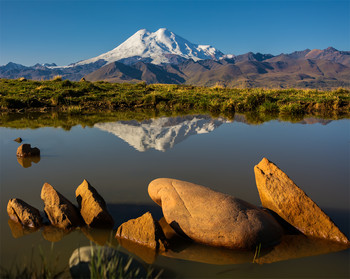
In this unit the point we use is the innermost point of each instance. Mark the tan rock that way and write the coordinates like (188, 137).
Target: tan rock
(21, 212)
(279, 194)
(60, 211)
(93, 207)
(25, 150)
(211, 217)
(143, 230)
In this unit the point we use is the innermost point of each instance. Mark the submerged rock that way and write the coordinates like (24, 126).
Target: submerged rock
(144, 230)
(93, 207)
(213, 218)
(60, 211)
(21, 212)
(25, 150)
(279, 194)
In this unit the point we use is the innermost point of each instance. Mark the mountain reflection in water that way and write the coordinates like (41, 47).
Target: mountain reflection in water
(161, 133)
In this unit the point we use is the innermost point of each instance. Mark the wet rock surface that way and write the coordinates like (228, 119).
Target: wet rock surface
(213, 218)
(23, 213)
(93, 207)
(60, 211)
(280, 194)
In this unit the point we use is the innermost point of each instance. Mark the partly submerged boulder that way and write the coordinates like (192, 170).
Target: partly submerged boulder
(144, 230)
(60, 211)
(279, 194)
(93, 207)
(21, 212)
(213, 218)
(25, 150)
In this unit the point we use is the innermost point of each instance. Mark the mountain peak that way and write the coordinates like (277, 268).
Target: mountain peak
(157, 47)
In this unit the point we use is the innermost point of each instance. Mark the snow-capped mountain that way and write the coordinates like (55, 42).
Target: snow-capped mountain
(160, 133)
(157, 47)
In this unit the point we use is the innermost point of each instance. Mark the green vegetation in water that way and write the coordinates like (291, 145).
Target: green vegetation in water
(81, 97)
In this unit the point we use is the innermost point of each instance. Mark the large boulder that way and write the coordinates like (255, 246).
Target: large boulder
(60, 211)
(21, 212)
(280, 194)
(25, 150)
(93, 207)
(144, 230)
(213, 218)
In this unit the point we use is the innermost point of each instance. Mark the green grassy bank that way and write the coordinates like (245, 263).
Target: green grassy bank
(80, 97)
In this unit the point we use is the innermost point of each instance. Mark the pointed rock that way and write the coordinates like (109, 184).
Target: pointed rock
(144, 230)
(60, 211)
(21, 212)
(93, 207)
(213, 218)
(19, 140)
(280, 194)
(25, 150)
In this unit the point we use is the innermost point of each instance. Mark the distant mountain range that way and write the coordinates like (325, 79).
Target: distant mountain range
(164, 57)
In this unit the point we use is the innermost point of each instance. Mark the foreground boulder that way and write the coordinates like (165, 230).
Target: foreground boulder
(144, 230)
(60, 211)
(25, 150)
(21, 212)
(93, 207)
(211, 217)
(279, 194)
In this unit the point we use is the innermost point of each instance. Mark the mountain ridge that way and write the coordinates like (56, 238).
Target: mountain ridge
(164, 57)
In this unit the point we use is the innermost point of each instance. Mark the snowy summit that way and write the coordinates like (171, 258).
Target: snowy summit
(158, 47)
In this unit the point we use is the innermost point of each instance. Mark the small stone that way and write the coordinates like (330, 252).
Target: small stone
(60, 211)
(144, 230)
(92, 206)
(280, 194)
(21, 212)
(213, 218)
(22, 79)
(25, 150)
(19, 140)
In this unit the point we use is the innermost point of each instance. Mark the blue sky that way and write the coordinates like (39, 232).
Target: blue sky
(68, 31)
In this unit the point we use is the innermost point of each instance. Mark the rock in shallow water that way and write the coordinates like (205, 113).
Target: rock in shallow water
(279, 194)
(60, 211)
(21, 212)
(25, 150)
(144, 230)
(93, 207)
(213, 218)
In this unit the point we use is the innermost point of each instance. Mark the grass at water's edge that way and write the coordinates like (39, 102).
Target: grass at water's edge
(82, 97)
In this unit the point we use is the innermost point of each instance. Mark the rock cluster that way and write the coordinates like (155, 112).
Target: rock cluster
(289, 223)
(61, 213)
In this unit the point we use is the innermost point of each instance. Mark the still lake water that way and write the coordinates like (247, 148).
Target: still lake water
(120, 159)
